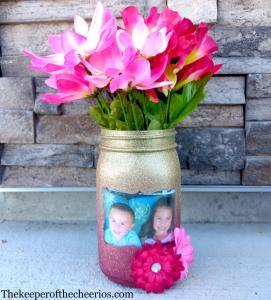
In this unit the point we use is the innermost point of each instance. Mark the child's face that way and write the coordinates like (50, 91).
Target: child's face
(162, 220)
(120, 223)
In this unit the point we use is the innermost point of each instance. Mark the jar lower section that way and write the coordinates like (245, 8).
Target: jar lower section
(118, 244)
(115, 263)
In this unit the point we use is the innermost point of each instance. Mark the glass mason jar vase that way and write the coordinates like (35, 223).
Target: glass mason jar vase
(138, 196)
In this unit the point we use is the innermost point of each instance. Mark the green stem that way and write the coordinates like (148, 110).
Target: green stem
(134, 116)
(145, 110)
(105, 104)
(168, 104)
(124, 112)
(99, 105)
(133, 111)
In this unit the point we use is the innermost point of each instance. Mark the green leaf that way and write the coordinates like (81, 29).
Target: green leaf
(115, 110)
(138, 117)
(155, 125)
(112, 123)
(120, 125)
(193, 104)
(96, 114)
(181, 105)
(177, 104)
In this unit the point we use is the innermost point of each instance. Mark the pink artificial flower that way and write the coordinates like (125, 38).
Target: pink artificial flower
(137, 33)
(204, 44)
(101, 32)
(107, 64)
(71, 88)
(47, 64)
(139, 74)
(83, 40)
(196, 71)
(183, 247)
(64, 47)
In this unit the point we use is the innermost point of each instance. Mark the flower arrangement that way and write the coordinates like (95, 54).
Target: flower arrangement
(147, 74)
(157, 267)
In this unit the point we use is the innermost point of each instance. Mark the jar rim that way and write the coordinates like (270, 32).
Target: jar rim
(137, 134)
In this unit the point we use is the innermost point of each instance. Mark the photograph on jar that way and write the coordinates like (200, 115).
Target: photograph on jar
(137, 219)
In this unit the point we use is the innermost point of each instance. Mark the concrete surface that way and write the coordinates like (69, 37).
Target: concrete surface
(232, 261)
(80, 206)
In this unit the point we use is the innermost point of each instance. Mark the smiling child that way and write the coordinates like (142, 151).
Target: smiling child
(121, 223)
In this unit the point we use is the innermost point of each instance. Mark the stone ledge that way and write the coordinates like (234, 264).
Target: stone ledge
(48, 155)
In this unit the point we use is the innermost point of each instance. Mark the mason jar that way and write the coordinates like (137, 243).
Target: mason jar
(138, 196)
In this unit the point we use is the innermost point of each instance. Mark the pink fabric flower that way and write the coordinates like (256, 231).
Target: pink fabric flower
(183, 248)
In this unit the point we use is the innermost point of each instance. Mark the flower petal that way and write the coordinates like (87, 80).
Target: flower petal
(120, 82)
(123, 40)
(71, 40)
(80, 26)
(60, 98)
(130, 17)
(140, 33)
(155, 43)
(55, 43)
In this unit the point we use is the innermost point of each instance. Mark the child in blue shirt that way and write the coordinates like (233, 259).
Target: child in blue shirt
(121, 222)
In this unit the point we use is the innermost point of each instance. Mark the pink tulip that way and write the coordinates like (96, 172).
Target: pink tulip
(70, 86)
(160, 52)
(139, 74)
(64, 47)
(47, 64)
(101, 32)
(148, 42)
(83, 40)
(196, 71)
(204, 44)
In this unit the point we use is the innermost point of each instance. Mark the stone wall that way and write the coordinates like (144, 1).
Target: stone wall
(226, 141)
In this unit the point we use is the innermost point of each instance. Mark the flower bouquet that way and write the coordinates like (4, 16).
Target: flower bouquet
(148, 74)
(144, 76)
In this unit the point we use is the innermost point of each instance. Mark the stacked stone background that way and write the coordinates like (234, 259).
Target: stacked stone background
(226, 141)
